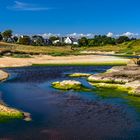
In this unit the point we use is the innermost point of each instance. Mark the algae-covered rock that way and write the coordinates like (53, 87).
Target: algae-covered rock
(136, 87)
(124, 78)
(104, 79)
(112, 86)
(67, 85)
(79, 75)
(7, 113)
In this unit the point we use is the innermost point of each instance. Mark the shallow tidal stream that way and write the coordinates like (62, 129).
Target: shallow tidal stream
(67, 115)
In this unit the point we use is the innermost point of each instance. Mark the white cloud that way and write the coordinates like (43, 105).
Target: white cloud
(110, 34)
(47, 35)
(21, 6)
(76, 35)
(129, 34)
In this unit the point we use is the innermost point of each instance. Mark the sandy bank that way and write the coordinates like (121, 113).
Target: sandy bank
(46, 59)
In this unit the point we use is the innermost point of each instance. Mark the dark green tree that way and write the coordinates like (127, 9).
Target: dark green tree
(38, 40)
(122, 39)
(91, 42)
(53, 38)
(1, 37)
(83, 41)
(15, 38)
(7, 34)
(25, 40)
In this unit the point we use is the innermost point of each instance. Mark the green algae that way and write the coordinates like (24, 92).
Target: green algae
(111, 81)
(107, 93)
(78, 75)
(118, 87)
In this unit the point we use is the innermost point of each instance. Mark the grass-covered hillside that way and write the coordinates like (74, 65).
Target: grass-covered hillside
(127, 48)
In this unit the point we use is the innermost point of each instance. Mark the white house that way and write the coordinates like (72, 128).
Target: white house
(56, 41)
(70, 40)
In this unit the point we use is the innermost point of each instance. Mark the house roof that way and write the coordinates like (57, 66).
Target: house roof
(73, 39)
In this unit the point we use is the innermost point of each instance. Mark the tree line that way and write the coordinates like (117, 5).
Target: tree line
(36, 40)
(102, 40)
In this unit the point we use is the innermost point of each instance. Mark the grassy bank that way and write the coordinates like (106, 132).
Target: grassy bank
(127, 48)
(36, 50)
(119, 63)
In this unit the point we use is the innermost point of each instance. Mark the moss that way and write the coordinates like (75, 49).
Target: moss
(76, 75)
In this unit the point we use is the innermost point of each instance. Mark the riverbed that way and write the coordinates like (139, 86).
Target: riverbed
(57, 114)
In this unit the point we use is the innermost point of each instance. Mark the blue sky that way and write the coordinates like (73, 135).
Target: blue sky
(70, 16)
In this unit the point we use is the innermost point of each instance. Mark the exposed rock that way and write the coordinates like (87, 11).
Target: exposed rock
(121, 77)
(7, 113)
(67, 85)
(27, 116)
(3, 75)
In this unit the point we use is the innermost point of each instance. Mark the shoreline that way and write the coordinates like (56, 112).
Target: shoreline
(6, 112)
(50, 60)
(63, 60)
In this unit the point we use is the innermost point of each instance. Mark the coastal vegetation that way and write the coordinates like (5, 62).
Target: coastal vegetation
(36, 44)
(120, 50)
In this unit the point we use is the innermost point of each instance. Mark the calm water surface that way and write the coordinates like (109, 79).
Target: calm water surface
(67, 115)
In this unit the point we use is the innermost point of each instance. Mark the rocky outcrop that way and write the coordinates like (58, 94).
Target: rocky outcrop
(7, 113)
(67, 85)
(121, 77)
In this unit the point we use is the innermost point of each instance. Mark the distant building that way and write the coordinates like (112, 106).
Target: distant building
(9, 40)
(48, 42)
(71, 40)
(56, 41)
